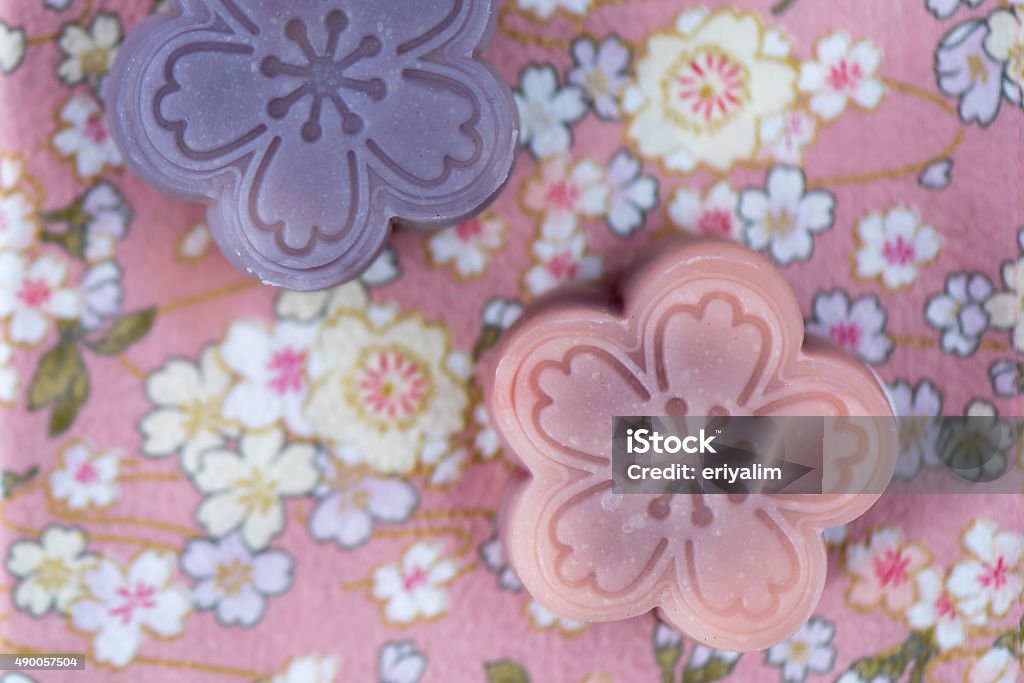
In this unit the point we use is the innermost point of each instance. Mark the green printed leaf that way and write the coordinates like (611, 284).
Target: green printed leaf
(68, 404)
(54, 374)
(667, 658)
(668, 648)
(506, 671)
(12, 480)
(488, 338)
(126, 331)
(890, 664)
(715, 670)
(71, 240)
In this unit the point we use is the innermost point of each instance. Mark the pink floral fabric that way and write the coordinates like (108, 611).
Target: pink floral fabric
(205, 479)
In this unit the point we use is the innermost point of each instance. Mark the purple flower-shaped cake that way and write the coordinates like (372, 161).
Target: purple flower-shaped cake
(307, 126)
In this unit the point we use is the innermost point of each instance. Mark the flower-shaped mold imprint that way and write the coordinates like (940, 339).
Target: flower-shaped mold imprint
(307, 126)
(706, 329)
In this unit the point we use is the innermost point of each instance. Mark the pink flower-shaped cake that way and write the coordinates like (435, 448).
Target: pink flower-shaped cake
(707, 328)
(307, 126)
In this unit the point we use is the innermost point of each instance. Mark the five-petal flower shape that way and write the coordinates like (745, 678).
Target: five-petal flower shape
(308, 126)
(707, 328)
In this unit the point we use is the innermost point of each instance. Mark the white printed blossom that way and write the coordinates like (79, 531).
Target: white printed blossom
(234, 581)
(309, 669)
(601, 70)
(85, 478)
(544, 619)
(351, 500)
(400, 662)
(712, 214)
(32, 293)
(936, 608)
(785, 136)
(1006, 308)
(88, 53)
(546, 111)
(102, 294)
(8, 376)
(784, 217)
(245, 489)
(271, 364)
(108, 217)
(18, 222)
(415, 587)
(959, 312)
(998, 665)
(991, 578)
(49, 571)
(84, 137)
(894, 245)
(631, 194)
(809, 650)
(187, 415)
(120, 605)
(545, 8)
(467, 247)
(917, 412)
(842, 71)
(857, 326)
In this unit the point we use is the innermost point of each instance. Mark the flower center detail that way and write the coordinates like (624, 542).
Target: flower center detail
(231, 577)
(391, 384)
(470, 230)
(34, 292)
(346, 482)
(707, 90)
(913, 431)
(256, 493)
(323, 76)
(976, 69)
(52, 574)
(96, 129)
(995, 575)
(715, 222)
(944, 605)
(562, 266)
(798, 653)
(139, 598)
(844, 75)
(898, 252)
(779, 222)
(891, 568)
(563, 195)
(87, 474)
(845, 334)
(95, 62)
(414, 579)
(596, 82)
(285, 368)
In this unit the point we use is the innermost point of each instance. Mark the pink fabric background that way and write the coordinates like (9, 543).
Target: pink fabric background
(977, 217)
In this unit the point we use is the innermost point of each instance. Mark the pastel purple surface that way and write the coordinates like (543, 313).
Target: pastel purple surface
(308, 126)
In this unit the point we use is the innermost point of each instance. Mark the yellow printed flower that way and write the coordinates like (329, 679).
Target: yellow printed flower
(702, 90)
(387, 391)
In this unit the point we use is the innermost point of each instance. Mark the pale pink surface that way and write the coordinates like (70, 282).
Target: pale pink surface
(706, 328)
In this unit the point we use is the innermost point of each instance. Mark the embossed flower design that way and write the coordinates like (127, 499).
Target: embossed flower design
(308, 127)
(707, 328)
